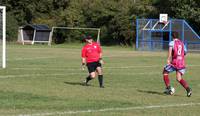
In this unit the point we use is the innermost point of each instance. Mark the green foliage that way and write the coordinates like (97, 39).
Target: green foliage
(12, 26)
(116, 18)
(183, 9)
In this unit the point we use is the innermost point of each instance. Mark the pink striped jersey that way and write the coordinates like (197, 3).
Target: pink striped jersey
(178, 54)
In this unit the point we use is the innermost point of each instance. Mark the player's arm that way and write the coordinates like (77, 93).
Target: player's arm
(83, 64)
(185, 50)
(169, 55)
(83, 55)
(100, 51)
(101, 59)
(100, 55)
(83, 61)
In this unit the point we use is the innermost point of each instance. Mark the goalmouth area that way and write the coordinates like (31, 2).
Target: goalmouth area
(76, 28)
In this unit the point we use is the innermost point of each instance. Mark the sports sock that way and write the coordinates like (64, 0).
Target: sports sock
(183, 83)
(100, 78)
(166, 80)
(88, 79)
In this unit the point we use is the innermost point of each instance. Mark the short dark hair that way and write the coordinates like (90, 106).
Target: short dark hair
(88, 37)
(175, 34)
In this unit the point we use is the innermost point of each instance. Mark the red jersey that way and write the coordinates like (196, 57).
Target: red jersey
(178, 59)
(91, 52)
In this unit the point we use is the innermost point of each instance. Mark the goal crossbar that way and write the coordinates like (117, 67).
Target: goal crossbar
(75, 28)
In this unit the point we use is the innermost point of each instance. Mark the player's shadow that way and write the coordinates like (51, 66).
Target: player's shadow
(74, 83)
(151, 92)
(155, 92)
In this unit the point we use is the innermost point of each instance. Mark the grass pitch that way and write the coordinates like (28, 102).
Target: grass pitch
(46, 81)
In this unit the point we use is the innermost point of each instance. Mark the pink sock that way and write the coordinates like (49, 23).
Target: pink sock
(166, 80)
(183, 83)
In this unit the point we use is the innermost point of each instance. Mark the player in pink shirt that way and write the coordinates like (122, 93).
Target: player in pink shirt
(92, 58)
(176, 62)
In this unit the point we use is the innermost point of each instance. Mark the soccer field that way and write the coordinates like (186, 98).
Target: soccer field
(46, 81)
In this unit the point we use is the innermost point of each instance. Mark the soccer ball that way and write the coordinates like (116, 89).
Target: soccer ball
(171, 91)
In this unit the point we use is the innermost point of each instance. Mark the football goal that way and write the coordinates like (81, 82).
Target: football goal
(3, 36)
(71, 34)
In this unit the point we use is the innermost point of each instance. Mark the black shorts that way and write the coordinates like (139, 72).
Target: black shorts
(93, 66)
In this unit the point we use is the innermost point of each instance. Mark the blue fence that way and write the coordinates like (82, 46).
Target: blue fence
(154, 36)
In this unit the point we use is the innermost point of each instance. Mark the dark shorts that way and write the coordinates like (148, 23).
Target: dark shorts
(93, 66)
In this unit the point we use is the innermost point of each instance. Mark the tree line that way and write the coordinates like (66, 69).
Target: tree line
(116, 18)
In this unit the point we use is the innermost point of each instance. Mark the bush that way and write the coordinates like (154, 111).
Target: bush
(11, 27)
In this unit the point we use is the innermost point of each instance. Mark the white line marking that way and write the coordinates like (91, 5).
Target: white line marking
(111, 109)
(80, 73)
(77, 68)
(37, 75)
(67, 74)
(33, 58)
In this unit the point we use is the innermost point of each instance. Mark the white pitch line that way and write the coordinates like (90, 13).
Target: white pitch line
(78, 68)
(67, 74)
(36, 75)
(80, 73)
(106, 67)
(34, 58)
(111, 109)
(75, 68)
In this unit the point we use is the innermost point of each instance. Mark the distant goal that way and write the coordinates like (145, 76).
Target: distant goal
(3, 36)
(70, 34)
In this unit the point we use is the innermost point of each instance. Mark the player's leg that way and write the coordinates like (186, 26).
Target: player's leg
(167, 69)
(90, 77)
(100, 75)
(183, 82)
(167, 82)
(92, 74)
(166, 79)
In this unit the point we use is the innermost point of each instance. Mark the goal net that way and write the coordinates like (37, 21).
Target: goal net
(2, 36)
(73, 34)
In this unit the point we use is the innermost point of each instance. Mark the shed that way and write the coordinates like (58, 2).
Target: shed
(34, 34)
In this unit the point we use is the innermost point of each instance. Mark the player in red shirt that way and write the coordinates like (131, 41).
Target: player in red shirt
(176, 62)
(92, 58)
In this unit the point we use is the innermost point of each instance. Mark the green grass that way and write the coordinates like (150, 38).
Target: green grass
(47, 79)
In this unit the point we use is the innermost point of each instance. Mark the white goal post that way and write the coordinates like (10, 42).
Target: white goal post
(3, 35)
(75, 28)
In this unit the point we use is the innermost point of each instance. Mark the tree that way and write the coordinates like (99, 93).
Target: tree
(181, 9)
(11, 27)
(116, 18)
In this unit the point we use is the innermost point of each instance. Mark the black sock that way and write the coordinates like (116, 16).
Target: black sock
(88, 79)
(188, 89)
(100, 78)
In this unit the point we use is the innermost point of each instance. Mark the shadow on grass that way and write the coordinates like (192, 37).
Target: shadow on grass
(76, 83)
(151, 92)
(155, 92)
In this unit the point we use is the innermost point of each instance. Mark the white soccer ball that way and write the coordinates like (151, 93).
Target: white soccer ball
(171, 91)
